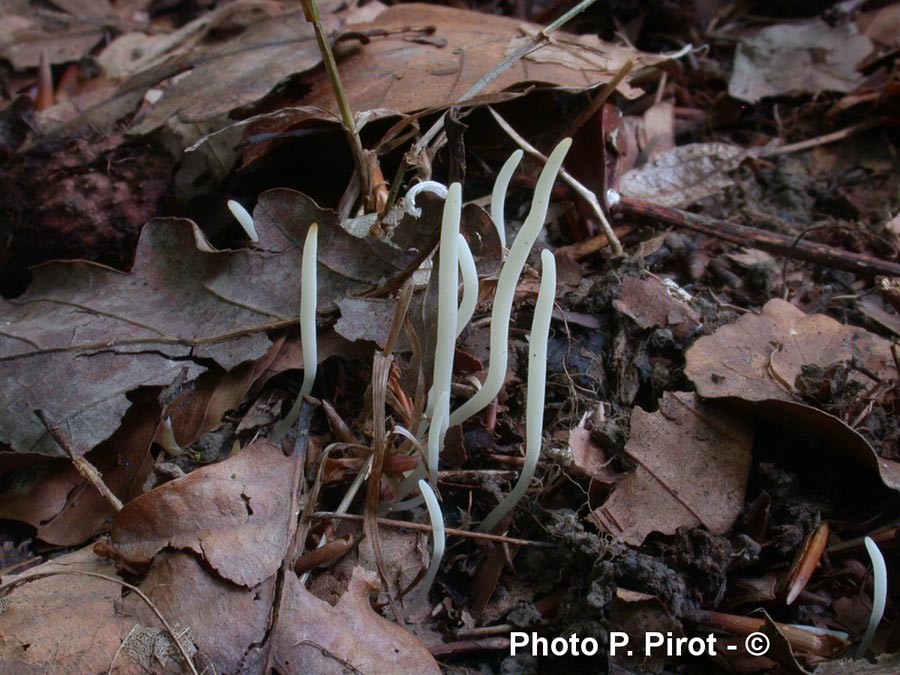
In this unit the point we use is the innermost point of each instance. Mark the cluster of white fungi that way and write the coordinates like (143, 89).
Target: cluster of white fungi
(455, 261)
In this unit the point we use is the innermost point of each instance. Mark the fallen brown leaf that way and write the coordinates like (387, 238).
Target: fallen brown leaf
(65, 624)
(652, 304)
(802, 57)
(255, 61)
(314, 637)
(759, 357)
(693, 464)
(233, 514)
(683, 175)
(227, 622)
(427, 56)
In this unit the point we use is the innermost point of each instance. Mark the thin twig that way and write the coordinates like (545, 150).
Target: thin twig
(584, 192)
(87, 470)
(833, 137)
(820, 254)
(422, 527)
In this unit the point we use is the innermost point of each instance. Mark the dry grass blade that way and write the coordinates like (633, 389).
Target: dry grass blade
(381, 371)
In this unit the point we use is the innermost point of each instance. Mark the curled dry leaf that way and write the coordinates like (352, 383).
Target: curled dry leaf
(693, 464)
(233, 514)
(182, 305)
(758, 359)
(428, 56)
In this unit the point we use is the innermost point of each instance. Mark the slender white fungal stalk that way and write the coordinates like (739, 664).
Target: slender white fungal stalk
(506, 287)
(498, 196)
(448, 292)
(436, 434)
(437, 526)
(879, 595)
(537, 380)
(444, 344)
(308, 292)
(469, 274)
(244, 219)
(425, 186)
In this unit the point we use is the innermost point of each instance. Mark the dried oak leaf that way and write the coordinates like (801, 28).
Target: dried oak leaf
(83, 336)
(427, 56)
(234, 514)
(758, 358)
(315, 637)
(693, 462)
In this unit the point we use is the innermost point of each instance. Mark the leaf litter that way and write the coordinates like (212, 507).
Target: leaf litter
(686, 410)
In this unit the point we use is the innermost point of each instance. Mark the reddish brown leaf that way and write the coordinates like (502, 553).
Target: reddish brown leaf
(759, 357)
(314, 637)
(651, 303)
(234, 514)
(65, 624)
(693, 465)
(226, 621)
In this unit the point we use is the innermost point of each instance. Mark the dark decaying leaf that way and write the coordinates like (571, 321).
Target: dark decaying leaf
(238, 71)
(181, 304)
(808, 56)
